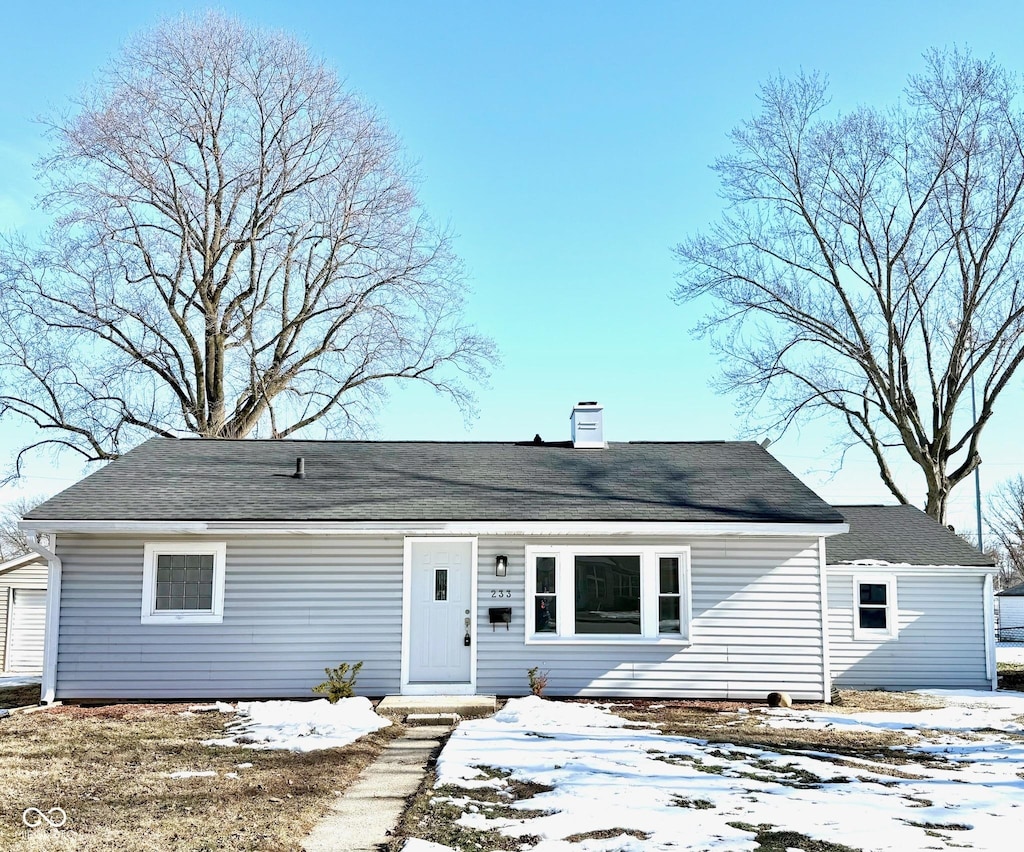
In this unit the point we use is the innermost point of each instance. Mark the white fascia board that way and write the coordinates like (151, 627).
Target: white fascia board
(466, 528)
(919, 570)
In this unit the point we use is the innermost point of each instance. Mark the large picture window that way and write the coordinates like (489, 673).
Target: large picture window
(607, 594)
(183, 583)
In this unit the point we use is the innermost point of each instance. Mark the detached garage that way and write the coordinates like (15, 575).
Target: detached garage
(22, 614)
(1011, 613)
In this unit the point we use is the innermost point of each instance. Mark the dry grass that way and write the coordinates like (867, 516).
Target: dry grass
(433, 813)
(108, 768)
(855, 701)
(19, 696)
(1011, 676)
(732, 722)
(771, 840)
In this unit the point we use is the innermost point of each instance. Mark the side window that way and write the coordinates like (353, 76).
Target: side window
(874, 602)
(545, 602)
(669, 597)
(183, 583)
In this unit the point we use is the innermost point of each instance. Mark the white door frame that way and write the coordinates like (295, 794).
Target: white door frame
(437, 688)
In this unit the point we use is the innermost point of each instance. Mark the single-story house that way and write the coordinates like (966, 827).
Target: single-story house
(910, 603)
(1011, 613)
(240, 569)
(22, 613)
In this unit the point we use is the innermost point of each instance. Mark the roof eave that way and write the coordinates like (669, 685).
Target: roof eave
(425, 527)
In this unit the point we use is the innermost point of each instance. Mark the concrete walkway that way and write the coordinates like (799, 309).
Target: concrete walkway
(362, 817)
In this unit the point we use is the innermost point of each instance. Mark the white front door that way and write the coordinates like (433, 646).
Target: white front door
(440, 612)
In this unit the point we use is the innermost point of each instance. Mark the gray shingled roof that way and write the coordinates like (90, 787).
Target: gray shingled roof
(195, 479)
(1013, 592)
(899, 534)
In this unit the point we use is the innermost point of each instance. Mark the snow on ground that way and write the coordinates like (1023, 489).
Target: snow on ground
(966, 711)
(414, 844)
(8, 679)
(1010, 652)
(301, 725)
(960, 789)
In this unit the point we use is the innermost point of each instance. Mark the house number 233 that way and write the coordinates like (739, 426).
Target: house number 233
(501, 593)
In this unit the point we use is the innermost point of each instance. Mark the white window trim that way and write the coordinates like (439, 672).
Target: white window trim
(649, 593)
(150, 614)
(892, 612)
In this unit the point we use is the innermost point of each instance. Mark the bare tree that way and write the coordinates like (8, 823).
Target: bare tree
(1006, 521)
(237, 249)
(12, 540)
(868, 265)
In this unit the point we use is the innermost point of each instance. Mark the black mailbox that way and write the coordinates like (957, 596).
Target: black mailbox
(500, 615)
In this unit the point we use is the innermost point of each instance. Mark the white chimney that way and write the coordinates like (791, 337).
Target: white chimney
(588, 426)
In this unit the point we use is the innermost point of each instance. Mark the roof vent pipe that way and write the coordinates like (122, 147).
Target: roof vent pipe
(300, 468)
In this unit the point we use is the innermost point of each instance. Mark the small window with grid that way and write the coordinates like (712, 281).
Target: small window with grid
(183, 582)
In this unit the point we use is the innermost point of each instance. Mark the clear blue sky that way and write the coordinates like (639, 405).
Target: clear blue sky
(568, 144)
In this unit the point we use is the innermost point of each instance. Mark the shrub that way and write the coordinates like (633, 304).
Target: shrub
(538, 681)
(340, 682)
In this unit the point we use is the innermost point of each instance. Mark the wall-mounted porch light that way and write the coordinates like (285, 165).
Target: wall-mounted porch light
(500, 566)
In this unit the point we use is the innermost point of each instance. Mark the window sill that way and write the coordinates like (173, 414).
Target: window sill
(183, 618)
(616, 640)
(874, 636)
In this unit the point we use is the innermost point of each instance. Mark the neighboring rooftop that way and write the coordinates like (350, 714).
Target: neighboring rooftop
(1013, 592)
(20, 561)
(248, 480)
(901, 535)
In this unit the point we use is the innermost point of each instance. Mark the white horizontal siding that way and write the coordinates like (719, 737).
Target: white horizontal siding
(27, 626)
(1011, 612)
(756, 628)
(292, 607)
(941, 641)
(30, 576)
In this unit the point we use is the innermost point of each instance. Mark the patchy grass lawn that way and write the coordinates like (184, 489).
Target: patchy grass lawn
(109, 769)
(732, 722)
(899, 772)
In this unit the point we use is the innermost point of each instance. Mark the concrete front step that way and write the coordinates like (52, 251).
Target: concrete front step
(420, 719)
(465, 706)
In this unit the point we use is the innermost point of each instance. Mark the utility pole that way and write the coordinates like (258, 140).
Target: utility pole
(977, 470)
